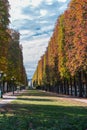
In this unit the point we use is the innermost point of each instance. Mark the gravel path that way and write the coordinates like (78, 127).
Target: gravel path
(80, 100)
(9, 97)
(84, 100)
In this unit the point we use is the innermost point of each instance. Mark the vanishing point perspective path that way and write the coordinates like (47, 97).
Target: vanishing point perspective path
(9, 97)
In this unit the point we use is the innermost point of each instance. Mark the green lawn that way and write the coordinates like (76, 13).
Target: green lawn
(36, 110)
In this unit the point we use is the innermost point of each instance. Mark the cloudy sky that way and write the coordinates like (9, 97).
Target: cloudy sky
(35, 20)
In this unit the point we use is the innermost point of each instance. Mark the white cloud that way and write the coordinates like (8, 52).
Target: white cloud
(50, 27)
(26, 32)
(62, 0)
(24, 3)
(44, 21)
(33, 49)
(35, 3)
(35, 21)
(62, 8)
(43, 12)
(49, 2)
(16, 6)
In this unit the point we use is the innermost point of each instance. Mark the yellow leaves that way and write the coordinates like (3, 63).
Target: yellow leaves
(3, 64)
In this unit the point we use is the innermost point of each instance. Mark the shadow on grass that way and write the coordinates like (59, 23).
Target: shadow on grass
(46, 94)
(35, 99)
(38, 93)
(43, 117)
(29, 99)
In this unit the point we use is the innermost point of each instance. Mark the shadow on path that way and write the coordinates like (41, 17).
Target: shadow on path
(43, 117)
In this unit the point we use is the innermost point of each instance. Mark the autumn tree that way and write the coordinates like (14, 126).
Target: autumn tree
(65, 60)
(4, 35)
(15, 58)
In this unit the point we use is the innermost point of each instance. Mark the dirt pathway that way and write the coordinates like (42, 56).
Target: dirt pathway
(84, 100)
(9, 97)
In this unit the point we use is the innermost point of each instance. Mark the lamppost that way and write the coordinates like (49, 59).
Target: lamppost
(13, 79)
(1, 84)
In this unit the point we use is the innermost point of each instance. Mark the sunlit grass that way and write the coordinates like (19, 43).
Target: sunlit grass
(37, 110)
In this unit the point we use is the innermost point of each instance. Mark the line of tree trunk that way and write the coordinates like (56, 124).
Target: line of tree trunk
(74, 86)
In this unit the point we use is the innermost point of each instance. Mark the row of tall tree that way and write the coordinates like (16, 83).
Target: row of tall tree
(63, 67)
(11, 58)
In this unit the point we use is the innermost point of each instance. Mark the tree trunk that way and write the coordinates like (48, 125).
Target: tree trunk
(71, 85)
(61, 87)
(57, 87)
(86, 84)
(75, 86)
(67, 87)
(80, 85)
(64, 86)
